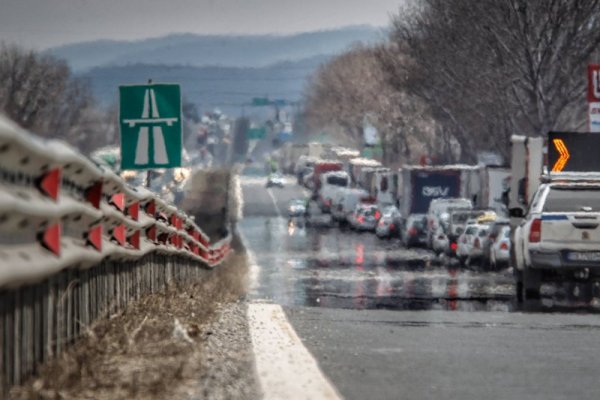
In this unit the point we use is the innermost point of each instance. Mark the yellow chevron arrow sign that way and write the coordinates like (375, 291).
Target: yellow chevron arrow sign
(564, 155)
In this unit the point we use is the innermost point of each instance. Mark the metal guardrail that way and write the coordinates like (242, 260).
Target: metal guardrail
(75, 242)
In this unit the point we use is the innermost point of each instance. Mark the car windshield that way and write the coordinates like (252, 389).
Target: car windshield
(417, 222)
(471, 230)
(572, 199)
(337, 180)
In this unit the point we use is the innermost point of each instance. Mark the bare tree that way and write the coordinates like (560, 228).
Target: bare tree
(354, 85)
(491, 68)
(40, 94)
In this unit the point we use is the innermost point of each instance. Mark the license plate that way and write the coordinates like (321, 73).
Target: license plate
(584, 256)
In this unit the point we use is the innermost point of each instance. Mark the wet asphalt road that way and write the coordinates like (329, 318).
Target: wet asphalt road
(385, 322)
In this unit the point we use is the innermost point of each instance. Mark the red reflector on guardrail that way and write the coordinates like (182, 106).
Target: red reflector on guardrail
(151, 233)
(51, 238)
(49, 183)
(118, 200)
(151, 208)
(94, 237)
(134, 211)
(93, 194)
(118, 234)
(134, 240)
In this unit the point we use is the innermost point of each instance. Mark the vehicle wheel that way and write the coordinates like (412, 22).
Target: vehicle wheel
(518, 284)
(493, 264)
(532, 280)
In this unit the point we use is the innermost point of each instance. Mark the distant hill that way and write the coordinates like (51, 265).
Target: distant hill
(228, 88)
(219, 50)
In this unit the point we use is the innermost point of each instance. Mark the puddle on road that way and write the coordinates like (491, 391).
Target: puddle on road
(344, 269)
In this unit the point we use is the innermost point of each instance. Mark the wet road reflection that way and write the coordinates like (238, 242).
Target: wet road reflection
(343, 269)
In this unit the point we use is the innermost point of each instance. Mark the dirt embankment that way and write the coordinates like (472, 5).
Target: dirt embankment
(160, 347)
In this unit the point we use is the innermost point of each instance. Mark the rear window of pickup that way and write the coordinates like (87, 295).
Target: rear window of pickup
(573, 199)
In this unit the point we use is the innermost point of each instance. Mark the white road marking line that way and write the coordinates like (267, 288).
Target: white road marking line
(285, 368)
(274, 202)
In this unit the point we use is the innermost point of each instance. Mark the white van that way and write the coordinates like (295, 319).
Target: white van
(345, 202)
(331, 183)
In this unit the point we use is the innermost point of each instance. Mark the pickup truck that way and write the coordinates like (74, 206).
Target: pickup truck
(559, 236)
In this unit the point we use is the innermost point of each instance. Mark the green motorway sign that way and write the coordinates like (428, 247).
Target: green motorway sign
(150, 122)
(256, 133)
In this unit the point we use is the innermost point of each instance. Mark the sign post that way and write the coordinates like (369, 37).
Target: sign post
(150, 122)
(593, 97)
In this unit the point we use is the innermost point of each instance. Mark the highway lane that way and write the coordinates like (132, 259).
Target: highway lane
(451, 334)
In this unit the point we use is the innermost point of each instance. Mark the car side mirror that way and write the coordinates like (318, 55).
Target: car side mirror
(516, 212)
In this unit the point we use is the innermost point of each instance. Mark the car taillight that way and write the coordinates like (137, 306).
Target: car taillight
(377, 214)
(392, 226)
(361, 219)
(381, 223)
(535, 233)
(477, 244)
(503, 246)
(453, 246)
(412, 231)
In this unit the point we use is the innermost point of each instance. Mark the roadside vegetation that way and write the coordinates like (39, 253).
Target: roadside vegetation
(454, 78)
(155, 349)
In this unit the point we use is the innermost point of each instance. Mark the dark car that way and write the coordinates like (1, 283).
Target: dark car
(414, 233)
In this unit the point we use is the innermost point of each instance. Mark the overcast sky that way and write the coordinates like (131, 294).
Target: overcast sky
(45, 23)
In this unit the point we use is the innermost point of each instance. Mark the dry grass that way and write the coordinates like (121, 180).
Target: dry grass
(147, 352)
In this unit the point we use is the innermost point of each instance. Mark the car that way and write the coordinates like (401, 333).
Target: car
(466, 242)
(500, 249)
(413, 232)
(314, 217)
(296, 207)
(276, 180)
(438, 214)
(496, 227)
(559, 236)
(458, 220)
(475, 256)
(365, 217)
(390, 222)
(345, 202)
(440, 243)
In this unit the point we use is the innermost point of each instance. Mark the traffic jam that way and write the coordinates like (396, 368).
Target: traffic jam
(536, 220)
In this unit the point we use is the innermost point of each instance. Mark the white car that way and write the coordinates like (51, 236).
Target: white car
(500, 249)
(390, 222)
(275, 180)
(440, 241)
(345, 203)
(560, 235)
(296, 208)
(466, 242)
(438, 214)
(365, 217)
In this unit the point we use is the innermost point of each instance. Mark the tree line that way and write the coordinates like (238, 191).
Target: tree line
(457, 77)
(40, 93)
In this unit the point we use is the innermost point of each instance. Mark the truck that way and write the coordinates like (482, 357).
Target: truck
(421, 184)
(356, 165)
(321, 167)
(386, 183)
(331, 182)
(494, 183)
(290, 154)
(527, 159)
